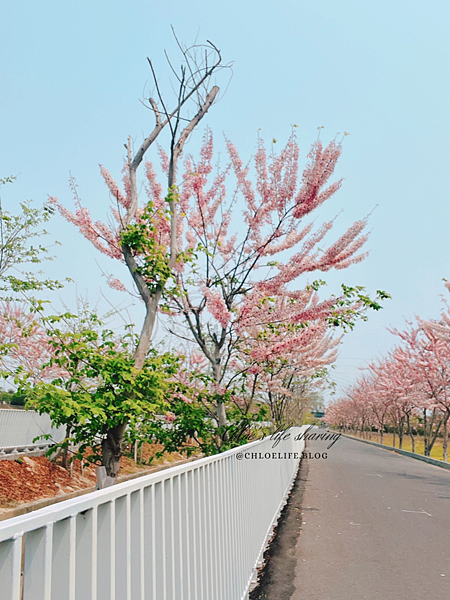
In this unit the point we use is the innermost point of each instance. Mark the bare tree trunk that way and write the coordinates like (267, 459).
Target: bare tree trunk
(426, 452)
(220, 409)
(65, 452)
(221, 415)
(445, 439)
(401, 431)
(112, 449)
(410, 433)
(147, 329)
(64, 461)
(433, 436)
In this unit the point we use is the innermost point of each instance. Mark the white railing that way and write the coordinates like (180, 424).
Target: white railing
(192, 532)
(18, 429)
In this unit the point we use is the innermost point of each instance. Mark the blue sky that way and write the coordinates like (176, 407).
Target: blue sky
(72, 75)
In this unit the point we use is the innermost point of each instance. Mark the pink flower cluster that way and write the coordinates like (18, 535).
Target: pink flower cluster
(216, 306)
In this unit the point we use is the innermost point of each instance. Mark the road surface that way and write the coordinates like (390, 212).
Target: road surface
(364, 523)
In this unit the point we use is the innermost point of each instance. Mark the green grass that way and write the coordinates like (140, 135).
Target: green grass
(436, 452)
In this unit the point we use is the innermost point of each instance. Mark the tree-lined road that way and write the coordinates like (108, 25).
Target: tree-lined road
(375, 525)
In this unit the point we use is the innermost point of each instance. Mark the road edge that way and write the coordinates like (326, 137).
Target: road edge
(277, 573)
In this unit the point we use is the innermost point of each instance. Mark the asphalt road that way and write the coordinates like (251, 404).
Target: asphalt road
(373, 525)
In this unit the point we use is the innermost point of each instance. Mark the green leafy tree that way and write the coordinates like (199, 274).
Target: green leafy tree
(98, 386)
(20, 247)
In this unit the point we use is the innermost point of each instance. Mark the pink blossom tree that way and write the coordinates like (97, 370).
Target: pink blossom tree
(425, 362)
(24, 344)
(246, 275)
(230, 287)
(438, 333)
(413, 379)
(145, 237)
(215, 248)
(284, 365)
(349, 413)
(382, 398)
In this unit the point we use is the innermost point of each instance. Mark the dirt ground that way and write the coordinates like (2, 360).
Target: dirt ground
(28, 479)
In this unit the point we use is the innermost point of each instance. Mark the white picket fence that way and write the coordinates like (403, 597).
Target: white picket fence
(192, 532)
(18, 429)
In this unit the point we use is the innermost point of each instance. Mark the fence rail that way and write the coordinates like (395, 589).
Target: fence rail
(193, 532)
(18, 429)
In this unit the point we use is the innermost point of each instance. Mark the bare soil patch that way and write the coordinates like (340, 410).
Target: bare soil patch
(28, 479)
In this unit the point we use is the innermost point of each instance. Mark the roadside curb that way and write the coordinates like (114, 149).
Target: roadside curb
(427, 459)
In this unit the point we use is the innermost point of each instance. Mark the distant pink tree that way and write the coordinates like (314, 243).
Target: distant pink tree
(391, 380)
(437, 333)
(350, 412)
(414, 379)
(24, 344)
(284, 364)
(426, 360)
